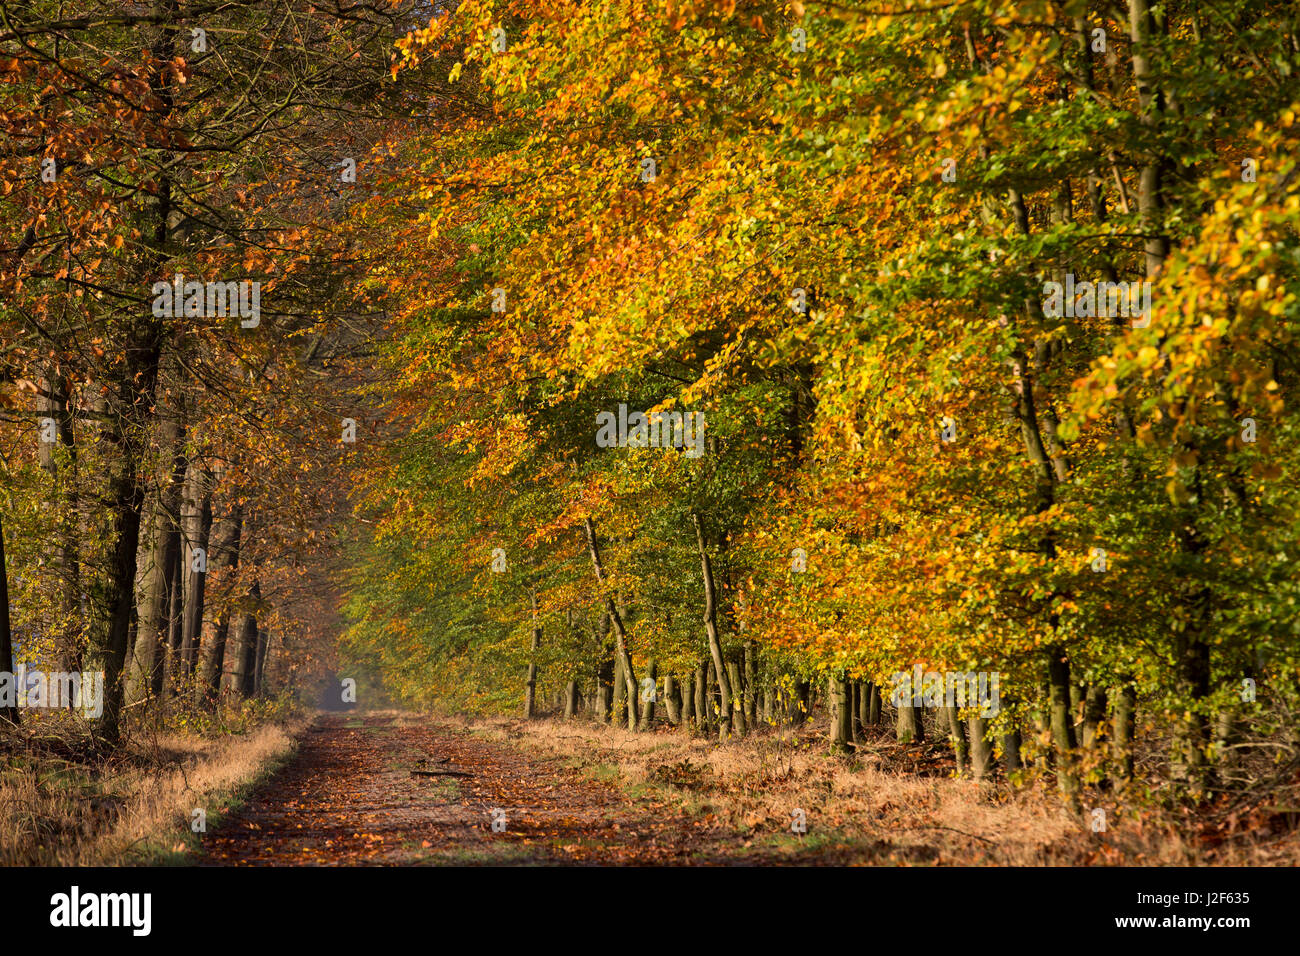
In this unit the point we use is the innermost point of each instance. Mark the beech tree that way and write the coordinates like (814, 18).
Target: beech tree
(986, 312)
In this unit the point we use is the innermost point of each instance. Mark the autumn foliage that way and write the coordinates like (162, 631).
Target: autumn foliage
(832, 231)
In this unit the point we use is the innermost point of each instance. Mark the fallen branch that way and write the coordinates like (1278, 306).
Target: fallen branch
(936, 826)
(440, 773)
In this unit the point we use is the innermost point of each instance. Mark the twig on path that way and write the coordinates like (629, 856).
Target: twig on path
(440, 773)
(936, 826)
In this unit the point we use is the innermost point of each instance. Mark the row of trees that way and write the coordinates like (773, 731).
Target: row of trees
(172, 474)
(833, 232)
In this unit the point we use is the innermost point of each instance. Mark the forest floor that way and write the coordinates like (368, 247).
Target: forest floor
(402, 789)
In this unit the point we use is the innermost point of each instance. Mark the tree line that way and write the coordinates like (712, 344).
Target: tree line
(988, 309)
(172, 476)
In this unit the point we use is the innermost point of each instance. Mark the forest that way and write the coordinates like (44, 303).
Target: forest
(900, 378)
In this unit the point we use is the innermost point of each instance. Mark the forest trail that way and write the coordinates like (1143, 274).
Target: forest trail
(348, 797)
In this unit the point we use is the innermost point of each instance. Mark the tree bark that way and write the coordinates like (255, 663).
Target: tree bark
(620, 633)
(620, 693)
(1011, 750)
(6, 634)
(672, 706)
(241, 652)
(711, 629)
(1121, 741)
(799, 704)
(909, 729)
(1094, 712)
(68, 648)
(145, 676)
(198, 492)
(223, 562)
(259, 671)
(981, 747)
(841, 714)
(605, 673)
(751, 683)
(855, 708)
(530, 687)
(950, 720)
(648, 706)
(1058, 676)
(739, 704)
(713, 697)
(127, 497)
(701, 697)
(175, 618)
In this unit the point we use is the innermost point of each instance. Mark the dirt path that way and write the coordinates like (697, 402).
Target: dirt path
(349, 797)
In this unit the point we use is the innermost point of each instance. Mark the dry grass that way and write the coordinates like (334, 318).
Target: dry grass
(65, 803)
(904, 800)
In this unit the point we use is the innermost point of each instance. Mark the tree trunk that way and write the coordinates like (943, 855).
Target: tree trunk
(1121, 741)
(854, 697)
(127, 497)
(841, 714)
(175, 617)
(714, 697)
(672, 706)
(948, 718)
(223, 563)
(241, 652)
(1094, 712)
(739, 704)
(908, 729)
(981, 747)
(798, 705)
(530, 687)
(711, 628)
(259, 670)
(6, 635)
(701, 697)
(648, 706)
(751, 683)
(688, 702)
(198, 492)
(620, 693)
(605, 673)
(1058, 674)
(67, 566)
(145, 675)
(620, 633)
(1011, 750)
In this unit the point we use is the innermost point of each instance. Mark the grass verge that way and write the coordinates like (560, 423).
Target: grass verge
(66, 802)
